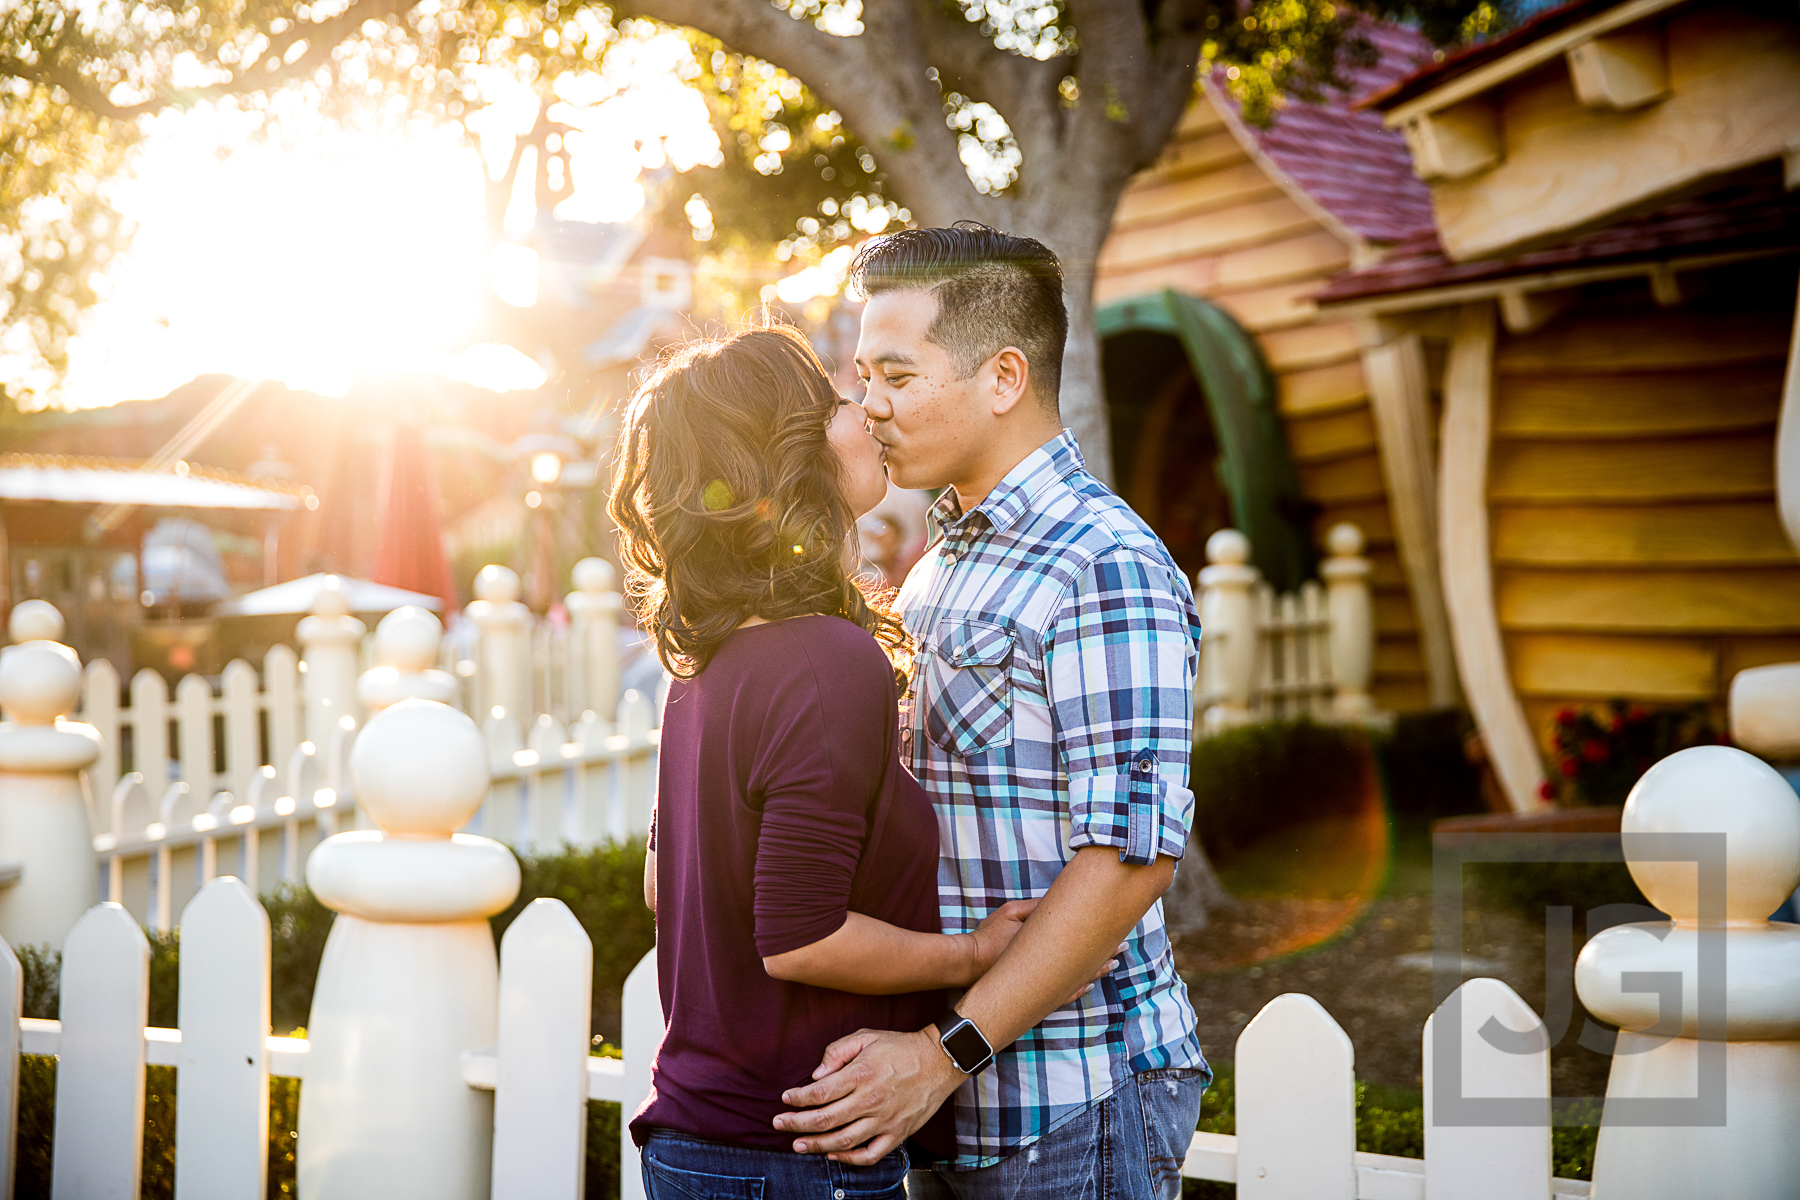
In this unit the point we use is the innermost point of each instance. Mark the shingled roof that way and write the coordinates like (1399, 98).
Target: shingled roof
(1345, 159)
(1755, 216)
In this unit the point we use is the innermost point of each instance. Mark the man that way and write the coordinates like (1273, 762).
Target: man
(1051, 714)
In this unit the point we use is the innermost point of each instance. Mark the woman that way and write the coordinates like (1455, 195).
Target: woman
(793, 860)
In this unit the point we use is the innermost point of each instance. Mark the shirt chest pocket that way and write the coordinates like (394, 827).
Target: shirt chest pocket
(970, 694)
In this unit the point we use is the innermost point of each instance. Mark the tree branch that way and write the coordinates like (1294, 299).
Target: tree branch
(321, 38)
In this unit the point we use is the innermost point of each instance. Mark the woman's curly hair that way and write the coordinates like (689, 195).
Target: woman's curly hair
(728, 499)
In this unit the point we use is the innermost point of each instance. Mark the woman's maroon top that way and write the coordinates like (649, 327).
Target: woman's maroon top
(781, 806)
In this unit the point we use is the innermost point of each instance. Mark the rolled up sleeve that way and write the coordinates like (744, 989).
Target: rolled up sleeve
(1119, 671)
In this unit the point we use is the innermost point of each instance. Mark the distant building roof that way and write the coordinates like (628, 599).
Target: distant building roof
(630, 335)
(1452, 66)
(66, 480)
(297, 596)
(1755, 216)
(1344, 158)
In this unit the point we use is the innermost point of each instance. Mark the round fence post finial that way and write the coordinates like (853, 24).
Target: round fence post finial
(495, 583)
(1717, 789)
(420, 769)
(407, 639)
(1228, 546)
(35, 621)
(331, 601)
(1344, 540)
(594, 575)
(39, 682)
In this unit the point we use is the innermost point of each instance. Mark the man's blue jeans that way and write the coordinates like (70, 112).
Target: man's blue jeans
(679, 1167)
(1130, 1146)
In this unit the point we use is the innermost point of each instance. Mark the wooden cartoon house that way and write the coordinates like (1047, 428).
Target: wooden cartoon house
(1552, 394)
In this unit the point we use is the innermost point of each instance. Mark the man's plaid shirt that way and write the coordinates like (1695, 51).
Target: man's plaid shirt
(1051, 709)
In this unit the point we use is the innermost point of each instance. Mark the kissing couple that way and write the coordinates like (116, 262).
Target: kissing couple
(907, 859)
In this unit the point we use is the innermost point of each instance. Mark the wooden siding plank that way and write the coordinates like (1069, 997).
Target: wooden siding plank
(1242, 225)
(1313, 256)
(1636, 342)
(1166, 201)
(1400, 695)
(1735, 600)
(1660, 535)
(1661, 668)
(1333, 435)
(1284, 306)
(1199, 117)
(1356, 478)
(1311, 346)
(1194, 156)
(1321, 389)
(1394, 614)
(1372, 517)
(1687, 469)
(1639, 405)
(1394, 659)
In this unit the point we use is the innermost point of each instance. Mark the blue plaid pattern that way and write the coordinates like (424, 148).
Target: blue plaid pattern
(1051, 709)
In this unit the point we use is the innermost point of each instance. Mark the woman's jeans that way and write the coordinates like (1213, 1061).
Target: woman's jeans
(680, 1167)
(1130, 1146)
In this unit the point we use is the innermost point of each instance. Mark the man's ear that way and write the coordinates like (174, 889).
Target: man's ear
(1010, 376)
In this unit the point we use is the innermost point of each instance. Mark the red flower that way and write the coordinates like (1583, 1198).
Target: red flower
(1595, 750)
(1568, 767)
(1565, 716)
(1618, 723)
(1638, 713)
(1546, 790)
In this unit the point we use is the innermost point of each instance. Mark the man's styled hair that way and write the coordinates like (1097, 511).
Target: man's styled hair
(993, 290)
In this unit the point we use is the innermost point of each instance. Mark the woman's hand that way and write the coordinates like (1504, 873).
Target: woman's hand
(991, 938)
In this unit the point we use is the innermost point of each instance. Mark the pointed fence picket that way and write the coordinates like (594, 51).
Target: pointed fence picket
(222, 1084)
(1503, 1159)
(541, 1093)
(100, 1052)
(1295, 1074)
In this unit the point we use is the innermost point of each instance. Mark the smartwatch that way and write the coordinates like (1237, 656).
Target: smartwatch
(964, 1042)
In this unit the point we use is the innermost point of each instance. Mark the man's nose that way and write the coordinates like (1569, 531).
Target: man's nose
(877, 407)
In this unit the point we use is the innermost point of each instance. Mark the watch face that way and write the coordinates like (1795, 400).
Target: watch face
(968, 1048)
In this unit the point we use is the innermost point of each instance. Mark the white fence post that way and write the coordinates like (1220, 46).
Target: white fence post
(1499, 1061)
(1346, 574)
(100, 1053)
(502, 656)
(1712, 835)
(243, 728)
(540, 1100)
(329, 640)
(409, 979)
(641, 1016)
(1229, 639)
(594, 608)
(222, 1086)
(44, 824)
(1296, 1104)
(12, 1007)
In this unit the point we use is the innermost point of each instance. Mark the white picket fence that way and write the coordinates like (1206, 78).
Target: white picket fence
(1265, 656)
(410, 964)
(1295, 1078)
(245, 781)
